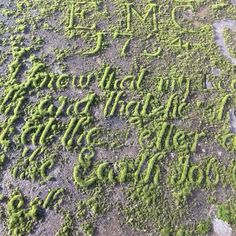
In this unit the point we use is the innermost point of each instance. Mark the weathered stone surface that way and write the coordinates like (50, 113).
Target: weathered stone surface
(221, 228)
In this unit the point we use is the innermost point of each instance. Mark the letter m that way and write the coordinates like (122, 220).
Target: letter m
(131, 12)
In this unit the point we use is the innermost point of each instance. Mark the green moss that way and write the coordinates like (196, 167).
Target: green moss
(21, 220)
(227, 212)
(204, 227)
(170, 52)
(88, 229)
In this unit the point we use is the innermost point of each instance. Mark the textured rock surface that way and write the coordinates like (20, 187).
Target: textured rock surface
(221, 228)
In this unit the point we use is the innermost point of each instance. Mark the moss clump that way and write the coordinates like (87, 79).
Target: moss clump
(227, 212)
(67, 227)
(21, 218)
(88, 229)
(2, 160)
(204, 227)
